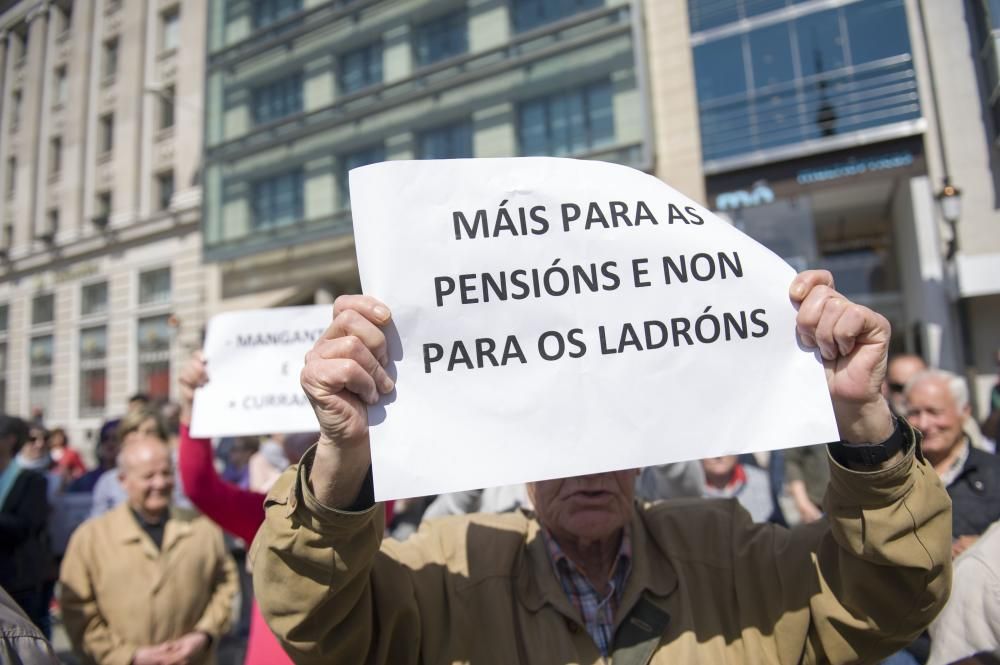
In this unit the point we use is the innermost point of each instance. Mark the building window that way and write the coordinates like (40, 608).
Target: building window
(11, 177)
(568, 122)
(443, 37)
(106, 137)
(266, 12)
(448, 142)
(170, 23)
(530, 14)
(164, 190)
(154, 356)
(167, 101)
(93, 370)
(102, 209)
(4, 315)
(110, 62)
(55, 156)
(278, 200)
(48, 235)
(59, 86)
(94, 299)
(277, 99)
(40, 372)
(353, 160)
(43, 309)
(15, 109)
(361, 68)
(24, 32)
(820, 73)
(66, 13)
(154, 286)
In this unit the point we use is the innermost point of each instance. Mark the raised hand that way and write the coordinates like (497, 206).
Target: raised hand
(343, 374)
(854, 343)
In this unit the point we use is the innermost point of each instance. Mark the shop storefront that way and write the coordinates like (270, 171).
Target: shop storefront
(863, 214)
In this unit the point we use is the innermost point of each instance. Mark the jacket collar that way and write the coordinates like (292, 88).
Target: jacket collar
(538, 586)
(128, 531)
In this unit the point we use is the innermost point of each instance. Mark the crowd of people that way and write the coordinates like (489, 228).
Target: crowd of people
(809, 559)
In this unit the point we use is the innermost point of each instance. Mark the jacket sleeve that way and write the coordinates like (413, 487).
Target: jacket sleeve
(29, 515)
(866, 580)
(327, 591)
(237, 511)
(218, 613)
(88, 631)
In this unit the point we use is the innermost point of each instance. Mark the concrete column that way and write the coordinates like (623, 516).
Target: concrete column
(76, 112)
(148, 99)
(6, 71)
(677, 141)
(925, 282)
(41, 183)
(30, 149)
(92, 81)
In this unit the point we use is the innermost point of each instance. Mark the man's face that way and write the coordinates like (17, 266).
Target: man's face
(587, 508)
(901, 370)
(932, 410)
(719, 467)
(147, 476)
(37, 445)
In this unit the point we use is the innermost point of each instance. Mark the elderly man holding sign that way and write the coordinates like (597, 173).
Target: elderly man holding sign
(589, 576)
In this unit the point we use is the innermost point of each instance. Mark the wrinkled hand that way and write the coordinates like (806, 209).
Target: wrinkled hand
(345, 371)
(193, 376)
(961, 544)
(159, 654)
(854, 342)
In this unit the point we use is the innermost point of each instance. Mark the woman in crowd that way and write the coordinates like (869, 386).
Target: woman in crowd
(67, 460)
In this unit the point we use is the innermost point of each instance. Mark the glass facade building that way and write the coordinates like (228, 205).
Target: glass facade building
(811, 131)
(775, 75)
(300, 93)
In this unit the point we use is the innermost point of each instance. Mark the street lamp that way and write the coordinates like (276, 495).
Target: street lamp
(950, 201)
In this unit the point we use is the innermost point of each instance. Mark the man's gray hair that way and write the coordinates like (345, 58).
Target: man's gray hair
(956, 385)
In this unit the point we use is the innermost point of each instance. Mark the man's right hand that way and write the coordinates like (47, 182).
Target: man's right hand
(343, 374)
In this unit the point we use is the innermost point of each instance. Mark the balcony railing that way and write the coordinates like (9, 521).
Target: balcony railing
(573, 33)
(832, 104)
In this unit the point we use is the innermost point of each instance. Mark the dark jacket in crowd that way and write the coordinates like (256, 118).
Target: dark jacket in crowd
(975, 494)
(24, 557)
(21, 643)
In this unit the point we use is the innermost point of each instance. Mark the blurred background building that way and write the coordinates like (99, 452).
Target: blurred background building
(854, 135)
(101, 275)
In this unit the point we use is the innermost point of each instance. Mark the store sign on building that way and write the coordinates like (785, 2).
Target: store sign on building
(854, 167)
(759, 194)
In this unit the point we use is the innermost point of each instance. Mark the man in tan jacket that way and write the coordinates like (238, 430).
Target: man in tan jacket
(591, 577)
(141, 586)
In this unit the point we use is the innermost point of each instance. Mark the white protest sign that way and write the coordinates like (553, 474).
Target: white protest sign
(253, 361)
(558, 317)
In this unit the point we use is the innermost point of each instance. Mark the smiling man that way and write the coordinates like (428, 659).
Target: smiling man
(591, 576)
(938, 405)
(140, 586)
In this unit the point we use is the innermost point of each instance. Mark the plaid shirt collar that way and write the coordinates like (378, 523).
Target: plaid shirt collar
(596, 611)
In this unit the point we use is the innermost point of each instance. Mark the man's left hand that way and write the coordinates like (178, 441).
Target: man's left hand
(854, 343)
(184, 650)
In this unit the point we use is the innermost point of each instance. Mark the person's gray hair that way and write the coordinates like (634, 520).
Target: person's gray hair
(956, 385)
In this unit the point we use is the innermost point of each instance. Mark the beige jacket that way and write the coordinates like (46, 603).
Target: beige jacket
(119, 593)
(707, 584)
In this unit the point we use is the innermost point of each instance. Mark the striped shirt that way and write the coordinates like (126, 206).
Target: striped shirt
(597, 611)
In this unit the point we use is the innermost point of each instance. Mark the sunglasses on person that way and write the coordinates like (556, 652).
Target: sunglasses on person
(896, 387)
